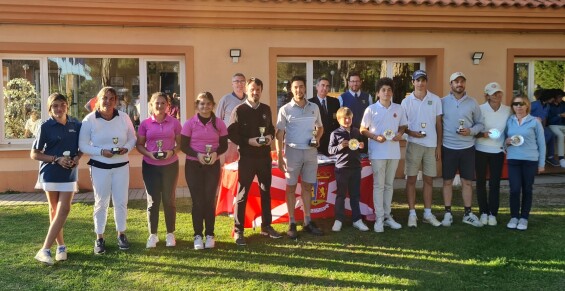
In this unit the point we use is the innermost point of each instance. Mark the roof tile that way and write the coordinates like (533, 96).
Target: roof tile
(465, 3)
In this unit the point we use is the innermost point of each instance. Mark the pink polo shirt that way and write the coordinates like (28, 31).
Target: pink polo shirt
(203, 134)
(165, 131)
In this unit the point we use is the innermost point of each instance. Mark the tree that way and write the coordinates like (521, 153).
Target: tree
(20, 98)
(550, 74)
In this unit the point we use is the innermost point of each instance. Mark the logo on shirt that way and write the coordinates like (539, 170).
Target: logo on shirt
(429, 102)
(264, 116)
(72, 130)
(394, 115)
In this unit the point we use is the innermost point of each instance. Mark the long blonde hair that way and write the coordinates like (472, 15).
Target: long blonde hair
(101, 94)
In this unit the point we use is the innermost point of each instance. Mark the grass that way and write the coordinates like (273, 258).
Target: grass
(459, 257)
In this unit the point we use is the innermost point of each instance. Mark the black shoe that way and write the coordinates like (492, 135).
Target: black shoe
(292, 233)
(270, 231)
(99, 246)
(553, 162)
(123, 242)
(313, 229)
(239, 238)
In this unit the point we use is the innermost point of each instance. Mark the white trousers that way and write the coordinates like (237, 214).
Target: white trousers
(559, 131)
(383, 179)
(110, 183)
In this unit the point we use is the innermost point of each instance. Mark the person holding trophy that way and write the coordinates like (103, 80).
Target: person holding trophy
(203, 138)
(107, 136)
(525, 143)
(158, 140)
(384, 124)
(298, 131)
(56, 147)
(252, 130)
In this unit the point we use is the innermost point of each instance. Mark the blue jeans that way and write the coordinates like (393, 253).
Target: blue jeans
(521, 176)
(549, 142)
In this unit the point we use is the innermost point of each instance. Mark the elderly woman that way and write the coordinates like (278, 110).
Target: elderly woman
(158, 140)
(107, 136)
(489, 153)
(56, 147)
(204, 138)
(526, 157)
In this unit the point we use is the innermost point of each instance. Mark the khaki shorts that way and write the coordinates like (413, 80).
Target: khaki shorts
(303, 163)
(418, 156)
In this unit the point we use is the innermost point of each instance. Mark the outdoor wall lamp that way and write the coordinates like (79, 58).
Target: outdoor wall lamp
(235, 54)
(477, 57)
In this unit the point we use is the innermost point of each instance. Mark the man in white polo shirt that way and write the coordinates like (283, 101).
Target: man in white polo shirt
(296, 122)
(423, 111)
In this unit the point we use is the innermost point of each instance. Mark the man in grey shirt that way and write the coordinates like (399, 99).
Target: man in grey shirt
(462, 120)
(296, 122)
(224, 112)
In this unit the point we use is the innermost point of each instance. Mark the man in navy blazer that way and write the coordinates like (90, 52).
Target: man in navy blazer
(328, 109)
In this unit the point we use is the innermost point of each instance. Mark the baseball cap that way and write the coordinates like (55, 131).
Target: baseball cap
(419, 74)
(456, 75)
(492, 88)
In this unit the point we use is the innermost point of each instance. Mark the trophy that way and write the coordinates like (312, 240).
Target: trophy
(67, 154)
(208, 158)
(313, 142)
(159, 154)
(461, 123)
(389, 134)
(115, 149)
(354, 144)
(262, 140)
(423, 125)
(516, 140)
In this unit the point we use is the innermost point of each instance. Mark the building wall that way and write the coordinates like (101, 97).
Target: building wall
(213, 67)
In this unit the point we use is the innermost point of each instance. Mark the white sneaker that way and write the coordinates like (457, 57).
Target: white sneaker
(484, 218)
(360, 225)
(492, 220)
(170, 240)
(447, 219)
(431, 219)
(390, 222)
(44, 256)
(210, 242)
(152, 241)
(513, 223)
(562, 163)
(379, 225)
(522, 224)
(412, 220)
(61, 254)
(198, 243)
(337, 226)
(472, 219)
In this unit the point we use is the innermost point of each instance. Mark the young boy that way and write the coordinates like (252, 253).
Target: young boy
(347, 168)
(384, 124)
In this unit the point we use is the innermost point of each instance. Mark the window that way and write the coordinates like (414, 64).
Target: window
(337, 70)
(533, 74)
(27, 82)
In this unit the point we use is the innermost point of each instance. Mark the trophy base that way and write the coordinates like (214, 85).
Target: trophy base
(115, 151)
(159, 155)
(423, 133)
(313, 144)
(261, 141)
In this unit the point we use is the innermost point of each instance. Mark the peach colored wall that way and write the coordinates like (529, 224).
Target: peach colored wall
(213, 67)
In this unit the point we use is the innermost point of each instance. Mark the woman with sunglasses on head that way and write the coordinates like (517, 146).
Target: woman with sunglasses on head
(158, 140)
(526, 156)
(203, 138)
(56, 147)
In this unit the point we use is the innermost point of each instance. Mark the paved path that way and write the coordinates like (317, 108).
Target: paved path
(139, 194)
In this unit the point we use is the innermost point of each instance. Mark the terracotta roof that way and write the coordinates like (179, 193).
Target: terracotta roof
(455, 3)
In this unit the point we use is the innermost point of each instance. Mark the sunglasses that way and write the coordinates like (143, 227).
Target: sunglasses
(518, 103)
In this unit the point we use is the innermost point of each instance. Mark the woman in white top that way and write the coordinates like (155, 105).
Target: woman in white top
(107, 136)
(489, 155)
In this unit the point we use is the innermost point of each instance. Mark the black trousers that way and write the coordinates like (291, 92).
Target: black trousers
(249, 167)
(161, 185)
(348, 180)
(202, 182)
(491, 163)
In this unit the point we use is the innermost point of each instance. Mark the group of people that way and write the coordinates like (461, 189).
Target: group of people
(473, 139)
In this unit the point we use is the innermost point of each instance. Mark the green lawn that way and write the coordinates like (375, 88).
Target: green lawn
(455, 258)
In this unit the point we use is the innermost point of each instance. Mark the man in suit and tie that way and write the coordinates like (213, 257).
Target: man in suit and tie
(328, 109)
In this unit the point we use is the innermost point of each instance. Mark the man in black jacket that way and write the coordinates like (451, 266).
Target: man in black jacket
(253, 131)
(328, 108)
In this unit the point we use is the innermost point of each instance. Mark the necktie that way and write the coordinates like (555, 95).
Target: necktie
(324, 107)
(355, 96)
